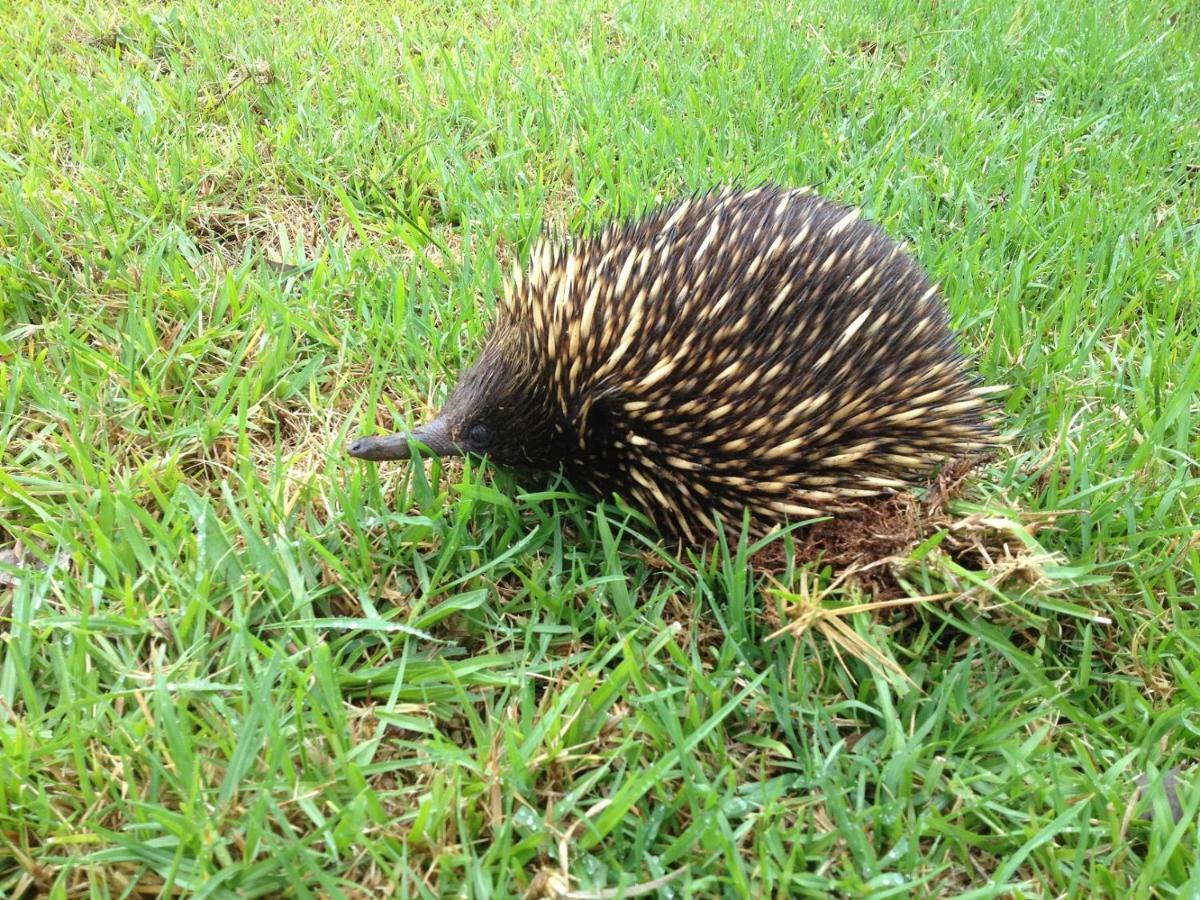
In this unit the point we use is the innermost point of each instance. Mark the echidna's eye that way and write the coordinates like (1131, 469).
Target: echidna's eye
(480, 434)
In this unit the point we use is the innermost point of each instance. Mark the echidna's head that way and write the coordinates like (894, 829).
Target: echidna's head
(495, 410)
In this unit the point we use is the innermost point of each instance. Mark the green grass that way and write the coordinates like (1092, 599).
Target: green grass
(265, 669)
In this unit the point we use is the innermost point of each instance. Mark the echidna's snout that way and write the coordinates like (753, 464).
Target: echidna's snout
(435, 437)
(391, 446)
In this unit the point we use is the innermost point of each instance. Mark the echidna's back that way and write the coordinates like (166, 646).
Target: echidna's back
(765, 348)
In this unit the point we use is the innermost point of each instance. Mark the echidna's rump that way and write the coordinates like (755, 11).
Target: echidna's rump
(764, 350)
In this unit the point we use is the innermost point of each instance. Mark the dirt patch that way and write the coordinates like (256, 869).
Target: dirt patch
(871, 543)
(224, 227)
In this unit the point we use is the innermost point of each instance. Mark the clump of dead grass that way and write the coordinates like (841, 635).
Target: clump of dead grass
(873, 551)
(872, 544)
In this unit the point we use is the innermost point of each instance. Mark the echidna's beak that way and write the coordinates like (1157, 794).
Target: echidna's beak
(435, 437)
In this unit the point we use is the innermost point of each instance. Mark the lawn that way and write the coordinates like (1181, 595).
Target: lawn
(236, 662)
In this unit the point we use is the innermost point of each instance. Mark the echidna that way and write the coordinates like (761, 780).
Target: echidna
(763, 350)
